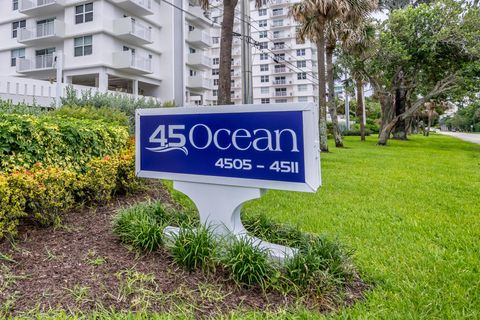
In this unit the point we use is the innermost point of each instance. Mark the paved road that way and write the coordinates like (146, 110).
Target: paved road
(470, 137)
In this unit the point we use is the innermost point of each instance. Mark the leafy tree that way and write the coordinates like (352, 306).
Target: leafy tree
(421, 53)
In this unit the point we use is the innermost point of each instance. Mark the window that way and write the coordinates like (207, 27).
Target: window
(302, 76)
(191, 50)
(262, 34)
(262, 23)
(215, 72)
(264, 90)
(15, 5)
(190, 27)
(277, 12)
(281, 92)
(302, 99)
(262, 12)
(277, 22)
(216, 61)
(301, 64)
(302, 87)
(278, 57)
(215, 40)
(83, 46)
(16, 54)
(264, 67)
(215, 93)
(18, 25)
(215, 82)
(300, 52)
(265, 100)
(262, 45)
(263, 79)
(263, 56)
(193, 73)
(280, 100)
(84, 13)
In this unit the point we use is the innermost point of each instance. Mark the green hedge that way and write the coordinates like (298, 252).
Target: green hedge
(44, 194)
(56, 141)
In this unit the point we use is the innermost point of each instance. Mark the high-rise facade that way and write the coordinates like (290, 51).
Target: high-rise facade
(141, 47)
(284, 69)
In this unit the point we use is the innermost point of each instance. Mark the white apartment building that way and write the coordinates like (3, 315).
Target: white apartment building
(283, 69)
(141, 47)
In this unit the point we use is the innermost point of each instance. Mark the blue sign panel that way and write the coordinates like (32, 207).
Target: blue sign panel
(254, 146)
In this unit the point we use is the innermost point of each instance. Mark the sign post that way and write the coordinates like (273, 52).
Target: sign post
(224, 156)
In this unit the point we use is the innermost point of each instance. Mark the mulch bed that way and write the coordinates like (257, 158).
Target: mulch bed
(83, 265)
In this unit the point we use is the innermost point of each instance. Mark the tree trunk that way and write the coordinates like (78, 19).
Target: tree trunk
(322, 90)
(360, 107)
(225, 76)
(400, 130)
(332, 107)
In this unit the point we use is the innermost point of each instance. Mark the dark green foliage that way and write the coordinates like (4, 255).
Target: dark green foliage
(141, 225)
(53, 141)
(247, 263)
(356, 132)
(194, 248)
(107, 115)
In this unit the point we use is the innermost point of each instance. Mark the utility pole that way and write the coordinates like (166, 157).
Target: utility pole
(59, 68)
(247, 87)
(347, 104)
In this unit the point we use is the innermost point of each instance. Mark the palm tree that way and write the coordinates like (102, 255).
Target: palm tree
(313, 16)
(355, 41)
(225, 76)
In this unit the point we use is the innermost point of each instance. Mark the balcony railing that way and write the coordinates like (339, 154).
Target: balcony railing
(280, 70)
(278, 47)
(42, 62)
(280, 93)
(137, 7)
(39, 7)
(45, 30)
(279, 82)
(130, 30)
(278, 13)
(132, 62)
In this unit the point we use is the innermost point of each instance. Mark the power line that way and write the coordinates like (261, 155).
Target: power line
(273, 41)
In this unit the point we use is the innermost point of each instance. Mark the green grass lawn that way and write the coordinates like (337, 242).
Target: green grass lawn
(411, 213)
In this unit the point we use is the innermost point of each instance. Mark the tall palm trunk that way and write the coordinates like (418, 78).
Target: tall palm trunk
(332, 107)
(322, 89)
(359, 84)
(225, 76)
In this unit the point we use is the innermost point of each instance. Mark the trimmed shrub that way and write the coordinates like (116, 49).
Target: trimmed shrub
(194, 248)
(97, 184)
(56, 141)
(126, 180)
(141, 226)
(12, 205)
(48, 193)
(107, 115)
(356, 132)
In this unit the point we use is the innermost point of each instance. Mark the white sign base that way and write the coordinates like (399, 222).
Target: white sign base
(219, 207)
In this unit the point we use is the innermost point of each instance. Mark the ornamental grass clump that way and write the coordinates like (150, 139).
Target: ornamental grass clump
(141, 226)
(194, 248)
(247, 263)
(319, 264)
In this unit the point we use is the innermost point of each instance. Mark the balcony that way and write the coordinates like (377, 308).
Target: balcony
(278, 25)
(199, 60)
(131, 31)
(39, 63)
(279, 47)
(45, 32)
(196, 15)
(274, 3)
(279, 13)
(279, 82)
(136, 7)
(280, 93)
(199, 82)
(40, 7)
(127, 61)
(199, 38)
